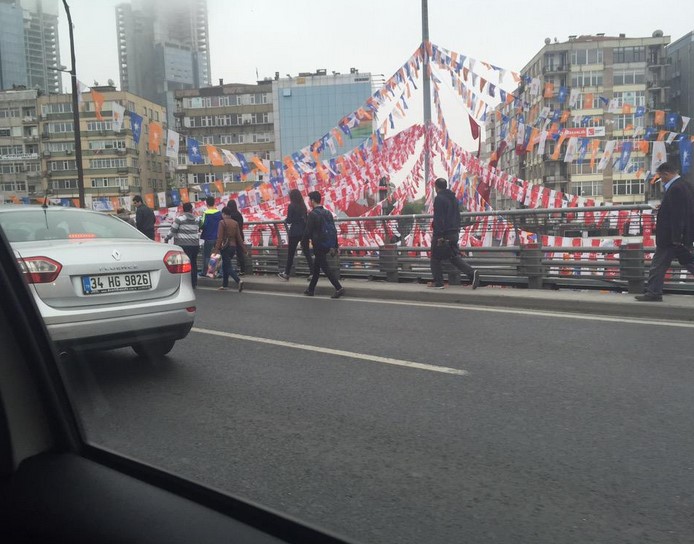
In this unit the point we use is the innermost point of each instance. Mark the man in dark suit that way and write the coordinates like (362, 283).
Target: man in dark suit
(674, 231)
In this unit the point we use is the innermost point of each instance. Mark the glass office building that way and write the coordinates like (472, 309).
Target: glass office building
(312, 104)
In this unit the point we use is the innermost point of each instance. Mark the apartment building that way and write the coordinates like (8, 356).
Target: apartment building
(234, 116)
(680, 54)
(20, 164)
(615, 84)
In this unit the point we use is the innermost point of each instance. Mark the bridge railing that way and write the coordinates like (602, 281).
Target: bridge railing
(585, 248)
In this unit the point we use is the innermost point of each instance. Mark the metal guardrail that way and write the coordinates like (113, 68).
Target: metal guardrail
(382, 248)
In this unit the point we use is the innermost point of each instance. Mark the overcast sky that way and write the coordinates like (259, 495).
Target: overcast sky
(377, 36)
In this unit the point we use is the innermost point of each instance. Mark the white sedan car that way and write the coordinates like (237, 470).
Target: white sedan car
(98, 282)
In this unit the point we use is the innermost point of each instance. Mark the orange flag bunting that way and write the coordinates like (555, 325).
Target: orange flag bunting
(220, 187)
(661, 135)
(183, 191)
(338, 136)
(549, 89)
(149, 200)
(214, 155)
(659, 117)
(557, 148)
(565, 116)
(155, 136)
(588, 101)
(259, 164)
(98, 99)
(594, 147)
(626, 108)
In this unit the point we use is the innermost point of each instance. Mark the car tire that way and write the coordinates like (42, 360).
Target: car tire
(155, 349)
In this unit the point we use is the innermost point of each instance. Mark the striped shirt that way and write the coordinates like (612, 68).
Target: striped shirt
(184, 230)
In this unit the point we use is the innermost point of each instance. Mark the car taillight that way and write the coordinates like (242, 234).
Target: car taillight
(40, 269)
(177, 262)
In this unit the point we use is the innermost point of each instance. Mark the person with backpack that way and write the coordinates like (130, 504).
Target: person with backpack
(444, 242)
(320, 229)
(209, 226)
(296, 225)
(184, 232)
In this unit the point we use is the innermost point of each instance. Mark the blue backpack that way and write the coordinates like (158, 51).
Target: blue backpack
(327, 238)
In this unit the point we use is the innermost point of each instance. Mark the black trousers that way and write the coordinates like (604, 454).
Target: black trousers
(294, 241)
(321, 263)
(661, 262)
(192, 252)
(450, 253)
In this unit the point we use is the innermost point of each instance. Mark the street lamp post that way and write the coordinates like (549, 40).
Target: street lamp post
(75, 110)
(426, 88)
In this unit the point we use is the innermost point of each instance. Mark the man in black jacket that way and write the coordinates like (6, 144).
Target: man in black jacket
(144, 217)
(674, 231)
(321, 248)
(446, 230)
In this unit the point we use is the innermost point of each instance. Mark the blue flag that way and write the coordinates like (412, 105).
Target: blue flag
(175, 197)
(563, 93)
(583, 149)
(625, 156)
(640, 111)
(136, 126)
(671, 121)
(685, 155)
(244, 164)
(650, 131)
(194, 155)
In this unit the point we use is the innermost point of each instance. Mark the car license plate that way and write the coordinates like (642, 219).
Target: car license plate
(114, 283)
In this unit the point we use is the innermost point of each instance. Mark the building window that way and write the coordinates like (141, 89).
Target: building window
(108, 163)
(586, 79)
(586, 56)
(633, 98)
(629, 76)
(121, 183)
(64, 184)
(629, 54)
(628, 187)
(56, 166)
(99, 126)
(58, 128)
(107, 144)
(586, 188)
(628, 121)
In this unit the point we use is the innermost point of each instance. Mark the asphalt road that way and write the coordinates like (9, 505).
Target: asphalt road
(425, 424)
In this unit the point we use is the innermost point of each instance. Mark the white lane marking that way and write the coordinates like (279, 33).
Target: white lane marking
(338, 352)
(496, 309)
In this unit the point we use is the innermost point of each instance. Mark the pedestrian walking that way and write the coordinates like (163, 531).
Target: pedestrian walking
(320, 229)
(144, 217)
(185, 233)
(444, 241)
(236, 216)
(229, 241)
(209, 226)
(674, 231)
(297, 215)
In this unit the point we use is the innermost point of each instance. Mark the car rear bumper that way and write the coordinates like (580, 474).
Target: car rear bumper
(122, 331)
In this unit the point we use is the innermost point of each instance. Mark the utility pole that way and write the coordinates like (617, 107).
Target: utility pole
(426, 87)
(75, 110)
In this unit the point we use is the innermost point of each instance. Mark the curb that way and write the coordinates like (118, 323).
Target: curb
(673, 307)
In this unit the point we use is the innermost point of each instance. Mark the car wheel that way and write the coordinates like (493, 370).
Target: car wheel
(154, 349)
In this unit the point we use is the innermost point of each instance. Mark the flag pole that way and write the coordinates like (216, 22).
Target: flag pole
(426, 87)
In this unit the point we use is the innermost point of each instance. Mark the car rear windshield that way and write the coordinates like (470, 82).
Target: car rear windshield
(37, 224)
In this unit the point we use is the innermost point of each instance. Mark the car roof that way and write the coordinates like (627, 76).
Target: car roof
(14, 208)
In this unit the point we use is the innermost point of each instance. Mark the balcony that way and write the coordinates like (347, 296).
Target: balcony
(563, 68)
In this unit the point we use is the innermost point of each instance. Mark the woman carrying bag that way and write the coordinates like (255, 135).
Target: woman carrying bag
(296, 223)
(229, 241)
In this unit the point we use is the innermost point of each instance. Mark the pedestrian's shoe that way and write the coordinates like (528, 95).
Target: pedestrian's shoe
(475, 279)
(309, 277)
(222, 288)
(432, 285)
(308, 293)
(283, 276)
(649, 297)
(338, 293)
(240, 286)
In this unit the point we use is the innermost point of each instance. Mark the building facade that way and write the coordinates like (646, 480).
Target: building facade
(310, 105)
(37, 148)
(236, 117)
(680, 54)
(20, 163)
(163, 46)
(29, 45)
(609, 79)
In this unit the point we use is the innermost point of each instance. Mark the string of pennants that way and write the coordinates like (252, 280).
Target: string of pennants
(583, 140)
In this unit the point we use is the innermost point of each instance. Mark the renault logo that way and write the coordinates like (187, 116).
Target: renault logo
(116, 254)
